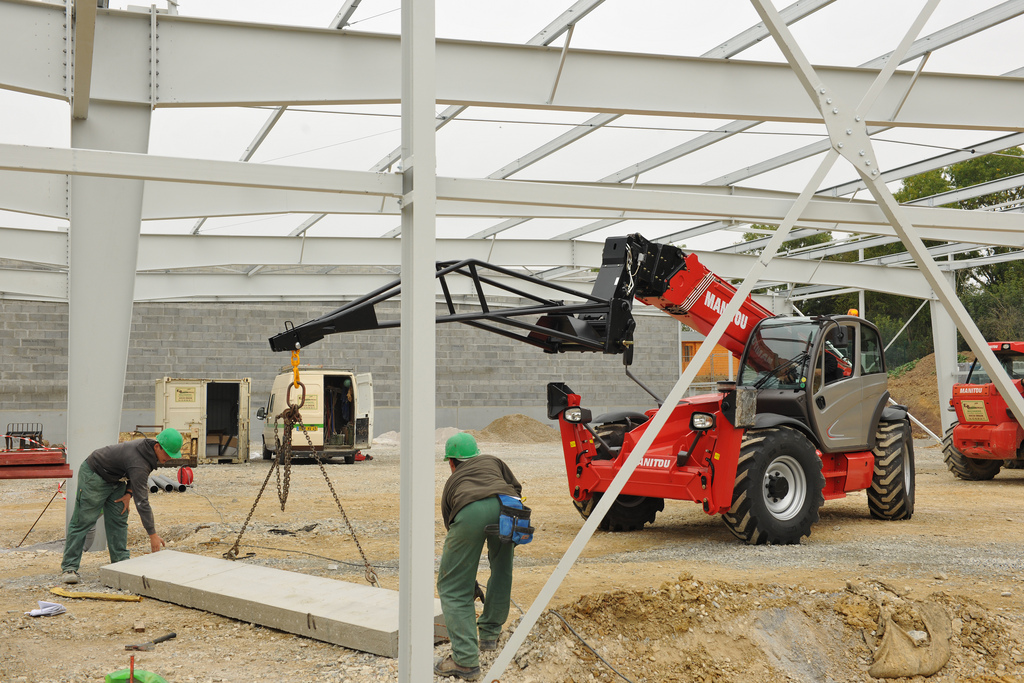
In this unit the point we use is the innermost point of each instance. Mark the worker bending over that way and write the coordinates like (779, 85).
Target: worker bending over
(107, 480)
(468, 504)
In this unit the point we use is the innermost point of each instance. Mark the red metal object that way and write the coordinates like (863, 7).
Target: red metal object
(36, 472)
(185, 476)
(706, 476)
(697, 297)
(986, 428)
(35, 463)
(845, 472)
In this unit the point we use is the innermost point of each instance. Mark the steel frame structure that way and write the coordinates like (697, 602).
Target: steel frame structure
(114, 68)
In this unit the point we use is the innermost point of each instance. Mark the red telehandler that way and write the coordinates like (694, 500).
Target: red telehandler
(806, 421)
(986, 436)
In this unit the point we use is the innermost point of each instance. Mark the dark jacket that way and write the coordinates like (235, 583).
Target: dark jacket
(131, 461)
(474, 479)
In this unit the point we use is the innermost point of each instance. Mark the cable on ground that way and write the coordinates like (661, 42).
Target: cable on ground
(587, 645)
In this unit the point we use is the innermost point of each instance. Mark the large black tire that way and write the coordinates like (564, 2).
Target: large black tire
(267, 453)
(892, 491)
(778, 488)
(970, 469)
(627, 513)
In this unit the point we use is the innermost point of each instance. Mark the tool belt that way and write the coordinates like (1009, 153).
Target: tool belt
(513, 522)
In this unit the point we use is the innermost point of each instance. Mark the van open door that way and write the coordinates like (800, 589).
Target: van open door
(364, 410)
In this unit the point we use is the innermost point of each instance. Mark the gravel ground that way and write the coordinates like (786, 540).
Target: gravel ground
(756, 611)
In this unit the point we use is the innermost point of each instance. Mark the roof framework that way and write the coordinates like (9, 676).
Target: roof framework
(215, 158)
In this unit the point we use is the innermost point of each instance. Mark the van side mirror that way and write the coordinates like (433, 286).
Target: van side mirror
(261, 414)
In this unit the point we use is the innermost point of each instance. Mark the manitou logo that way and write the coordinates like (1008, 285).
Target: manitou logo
(656, 462)
(971, 390)
(718, 306)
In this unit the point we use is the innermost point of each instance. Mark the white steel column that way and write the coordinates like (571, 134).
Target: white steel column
(419, 201)
(103, 246)
(944, 343)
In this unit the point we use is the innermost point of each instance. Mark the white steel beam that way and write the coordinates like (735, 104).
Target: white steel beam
(41, 194)
(34, 49)
(102, 251)
(293, 65)
(48, 247)
(84, 41)
(417, 375)
(863, 217)
(168, 252)
(35, 285)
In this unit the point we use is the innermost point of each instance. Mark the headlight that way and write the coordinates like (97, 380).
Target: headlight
(702, 421)
(576, 414)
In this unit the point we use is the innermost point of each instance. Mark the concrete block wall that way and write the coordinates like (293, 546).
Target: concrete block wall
(480, 375)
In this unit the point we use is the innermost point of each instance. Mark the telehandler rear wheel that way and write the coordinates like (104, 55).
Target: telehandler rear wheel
(970, 469)
(891, 495)
(778, 488)
(627, 513)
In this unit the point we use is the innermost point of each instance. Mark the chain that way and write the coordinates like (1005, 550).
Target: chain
(232, 554)
(370, 575)
(292, 416)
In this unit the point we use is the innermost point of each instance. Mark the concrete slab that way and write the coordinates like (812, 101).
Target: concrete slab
(356, 616)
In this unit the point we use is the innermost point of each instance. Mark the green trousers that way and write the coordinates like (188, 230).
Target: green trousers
(456, 580)
(93, 498)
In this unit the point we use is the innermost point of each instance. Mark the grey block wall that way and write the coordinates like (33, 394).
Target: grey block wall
(480, 375)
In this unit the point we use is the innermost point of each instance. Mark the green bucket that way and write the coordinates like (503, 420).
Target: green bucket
(140, 677)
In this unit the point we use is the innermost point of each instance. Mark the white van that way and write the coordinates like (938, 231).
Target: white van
(337, 414)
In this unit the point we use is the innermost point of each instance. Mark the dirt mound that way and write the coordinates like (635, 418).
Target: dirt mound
(516, 428)
(690, 630)
(916, 389)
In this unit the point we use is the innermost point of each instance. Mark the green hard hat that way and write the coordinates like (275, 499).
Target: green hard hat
(461, 446)
(170, 441)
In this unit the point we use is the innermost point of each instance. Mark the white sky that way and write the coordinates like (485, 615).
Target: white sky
(847, 33)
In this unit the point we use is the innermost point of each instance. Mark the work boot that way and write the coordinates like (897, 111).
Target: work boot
(448, 667)
(70, 576)
(488, 645)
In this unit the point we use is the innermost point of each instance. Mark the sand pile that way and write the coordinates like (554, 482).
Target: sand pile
(517, 428)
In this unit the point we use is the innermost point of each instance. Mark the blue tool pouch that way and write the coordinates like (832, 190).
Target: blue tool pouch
(513, 521)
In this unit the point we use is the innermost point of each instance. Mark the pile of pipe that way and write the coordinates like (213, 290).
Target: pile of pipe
(160, 483)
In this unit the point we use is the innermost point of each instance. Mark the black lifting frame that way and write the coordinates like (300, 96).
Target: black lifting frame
(598, 324)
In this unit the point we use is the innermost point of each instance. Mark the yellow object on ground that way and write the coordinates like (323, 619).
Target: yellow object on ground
(65, 593)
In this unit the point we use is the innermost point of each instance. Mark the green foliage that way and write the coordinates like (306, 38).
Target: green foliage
(903, 369)
(798, 243)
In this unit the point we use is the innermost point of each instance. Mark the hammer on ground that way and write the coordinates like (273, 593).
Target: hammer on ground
(151, 645)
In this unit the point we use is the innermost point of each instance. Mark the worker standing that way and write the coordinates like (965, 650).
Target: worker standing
(470, 503)
(107, 480)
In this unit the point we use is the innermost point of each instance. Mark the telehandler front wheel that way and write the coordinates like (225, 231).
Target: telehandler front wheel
(627, 513)
(891, 495)
(970, 469)
(778, 488)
